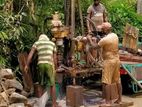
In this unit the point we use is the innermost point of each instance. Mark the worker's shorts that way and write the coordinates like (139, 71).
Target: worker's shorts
(111, 71)
(46, 74)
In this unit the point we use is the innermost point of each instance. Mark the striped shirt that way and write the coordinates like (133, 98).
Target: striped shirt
(45, 49)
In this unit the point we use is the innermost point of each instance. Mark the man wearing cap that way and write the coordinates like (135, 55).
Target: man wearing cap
(97, 14)
(46, 51)
(111, 62)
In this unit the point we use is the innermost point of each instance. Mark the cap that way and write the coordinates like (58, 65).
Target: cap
(43, 37)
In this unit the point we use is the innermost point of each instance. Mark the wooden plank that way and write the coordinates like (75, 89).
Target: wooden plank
(131, 58)
(122, 104)
(111, 105)
(27, 78)
(126, 104)
(130, 38)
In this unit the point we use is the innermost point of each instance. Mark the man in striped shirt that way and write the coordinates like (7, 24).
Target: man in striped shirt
(46, 51)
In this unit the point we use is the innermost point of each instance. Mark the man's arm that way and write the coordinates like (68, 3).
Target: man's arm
(33, 50)
(88, 22)
(105, 15)
(94, 45)
(55, 56)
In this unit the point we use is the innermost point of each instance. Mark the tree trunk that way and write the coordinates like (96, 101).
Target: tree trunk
(139, 6)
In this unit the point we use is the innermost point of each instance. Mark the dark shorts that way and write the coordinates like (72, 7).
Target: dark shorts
(46, 74)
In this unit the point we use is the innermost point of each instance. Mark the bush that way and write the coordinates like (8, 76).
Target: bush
(121, 12)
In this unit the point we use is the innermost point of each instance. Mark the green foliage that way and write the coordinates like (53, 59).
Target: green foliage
(122, 12)
(12, 35)
(2, 62)
(3, 36)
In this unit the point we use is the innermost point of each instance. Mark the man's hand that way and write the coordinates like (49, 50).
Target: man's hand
(89, 36)
(26, 69)
(89, 31)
